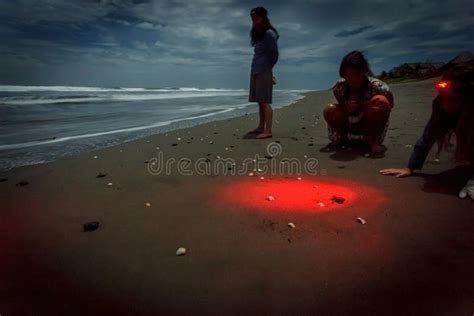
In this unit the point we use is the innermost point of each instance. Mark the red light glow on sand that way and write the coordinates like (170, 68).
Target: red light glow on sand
(311, 195)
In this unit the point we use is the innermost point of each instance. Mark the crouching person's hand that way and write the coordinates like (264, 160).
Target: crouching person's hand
(399, 173)
(468, 190)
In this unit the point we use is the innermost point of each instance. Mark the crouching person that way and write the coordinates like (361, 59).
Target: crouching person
(363, 105)
(453, 109)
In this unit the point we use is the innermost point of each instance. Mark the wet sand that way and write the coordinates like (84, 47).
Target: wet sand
(414, 255)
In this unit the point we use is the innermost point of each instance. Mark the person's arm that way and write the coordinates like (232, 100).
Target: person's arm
(272, 47)
(338, 90)
(436, 127)
(381, 88)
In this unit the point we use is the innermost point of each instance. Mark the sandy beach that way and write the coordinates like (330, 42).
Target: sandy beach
(413, 256)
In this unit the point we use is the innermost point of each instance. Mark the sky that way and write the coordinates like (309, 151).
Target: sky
(205, 43)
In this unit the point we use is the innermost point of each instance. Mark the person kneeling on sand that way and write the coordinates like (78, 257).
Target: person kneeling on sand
(264, 40)
(453, 109)
(363, 105)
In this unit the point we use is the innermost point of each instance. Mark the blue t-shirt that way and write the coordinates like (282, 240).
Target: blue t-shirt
(265, 52)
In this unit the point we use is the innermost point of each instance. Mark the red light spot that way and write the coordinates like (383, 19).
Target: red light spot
(443, 85)
(292, 195)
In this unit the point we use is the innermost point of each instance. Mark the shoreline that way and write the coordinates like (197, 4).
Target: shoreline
(140, 131)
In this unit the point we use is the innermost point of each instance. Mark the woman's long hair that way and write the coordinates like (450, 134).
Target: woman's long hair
(256, 35)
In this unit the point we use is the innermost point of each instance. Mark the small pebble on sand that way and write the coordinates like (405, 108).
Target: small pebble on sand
(95, 157)
(338, 199)
(109, 184)
(299, 178)
(321, 204)
(291, 225)
(251, 174)
(211, 142)
(90, 226)
(262, 178)
(147, 204)
(361, 220)
(270, 198)
(367, 155)
(181, 251)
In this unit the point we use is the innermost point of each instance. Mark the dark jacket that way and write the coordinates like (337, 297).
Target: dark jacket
(439, 124)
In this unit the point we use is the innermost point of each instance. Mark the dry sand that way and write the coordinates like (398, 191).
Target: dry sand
(415, 254)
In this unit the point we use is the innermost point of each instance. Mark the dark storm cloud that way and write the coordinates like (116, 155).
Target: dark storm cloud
(346, 33)
(205, 42)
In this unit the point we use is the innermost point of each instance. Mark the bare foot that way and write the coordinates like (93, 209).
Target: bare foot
(335, 144)
(264, 135)
(377, 149)
(258, 130)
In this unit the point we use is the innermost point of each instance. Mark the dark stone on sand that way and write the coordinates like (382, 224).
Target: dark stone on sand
(232, 146)
(310, 144)
(146, 161)
(174, 144)
(215, 133)
(208, 160)
(341, 167)
(3, 179)
(294, 138)
(269, 157)
(22, 183)
(101, 175)
(277, 141)
(303, 127)
(90, 226)
(338, 199)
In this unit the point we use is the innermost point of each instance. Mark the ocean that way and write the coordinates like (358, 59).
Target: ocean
(39, 124)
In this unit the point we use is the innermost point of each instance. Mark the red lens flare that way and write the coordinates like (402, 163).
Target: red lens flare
(304, 196)
(443, 85)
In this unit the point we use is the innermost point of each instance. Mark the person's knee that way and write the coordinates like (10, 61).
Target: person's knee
(335, 115)
(380, 103)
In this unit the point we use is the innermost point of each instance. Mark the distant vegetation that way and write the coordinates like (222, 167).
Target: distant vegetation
(426, 70)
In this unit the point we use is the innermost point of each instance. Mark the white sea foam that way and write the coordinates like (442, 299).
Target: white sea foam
(12, 88)
(116, 97)
(122, 130)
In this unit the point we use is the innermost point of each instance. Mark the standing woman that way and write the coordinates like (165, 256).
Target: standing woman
(264, 40)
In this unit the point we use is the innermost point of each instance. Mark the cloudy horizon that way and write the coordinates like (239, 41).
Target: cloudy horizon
(205, 43)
